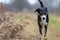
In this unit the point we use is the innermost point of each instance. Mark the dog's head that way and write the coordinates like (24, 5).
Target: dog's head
(42, 12)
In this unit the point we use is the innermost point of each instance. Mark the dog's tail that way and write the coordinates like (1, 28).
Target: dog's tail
(41, 3)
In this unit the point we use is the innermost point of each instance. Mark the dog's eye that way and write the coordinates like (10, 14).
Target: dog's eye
(45, 13)
(41, 13)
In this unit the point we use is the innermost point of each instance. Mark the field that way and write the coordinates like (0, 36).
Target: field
(23, 26)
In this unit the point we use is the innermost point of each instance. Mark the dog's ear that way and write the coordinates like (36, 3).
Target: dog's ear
(37, 10)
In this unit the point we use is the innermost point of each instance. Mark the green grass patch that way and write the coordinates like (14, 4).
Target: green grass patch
(54, 20)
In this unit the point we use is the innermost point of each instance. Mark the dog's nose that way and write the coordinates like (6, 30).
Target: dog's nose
(43, 18)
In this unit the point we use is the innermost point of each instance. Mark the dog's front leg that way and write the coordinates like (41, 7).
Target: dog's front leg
(45, 30)
(39, 25)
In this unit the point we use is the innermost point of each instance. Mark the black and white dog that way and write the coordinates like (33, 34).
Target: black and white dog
(43, 18)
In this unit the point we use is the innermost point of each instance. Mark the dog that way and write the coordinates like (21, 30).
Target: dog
(43, 19)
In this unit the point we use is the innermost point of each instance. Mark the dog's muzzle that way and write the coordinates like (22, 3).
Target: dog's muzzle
(43, 19)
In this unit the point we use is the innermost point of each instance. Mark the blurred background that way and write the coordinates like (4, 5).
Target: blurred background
(18, 21)
(31, 5)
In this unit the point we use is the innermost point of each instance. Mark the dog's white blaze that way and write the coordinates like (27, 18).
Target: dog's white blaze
(43, 21)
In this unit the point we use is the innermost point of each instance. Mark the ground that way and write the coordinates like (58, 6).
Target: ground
(23, 26)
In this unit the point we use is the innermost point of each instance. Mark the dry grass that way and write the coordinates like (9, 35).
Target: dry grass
(23, 26)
